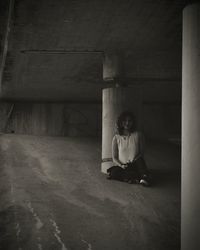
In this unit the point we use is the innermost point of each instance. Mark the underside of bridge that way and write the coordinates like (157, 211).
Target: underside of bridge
(54, 195)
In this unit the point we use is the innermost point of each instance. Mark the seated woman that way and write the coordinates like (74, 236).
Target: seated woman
(127, 153)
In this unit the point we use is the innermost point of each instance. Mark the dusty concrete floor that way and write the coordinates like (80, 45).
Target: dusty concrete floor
(54, 197)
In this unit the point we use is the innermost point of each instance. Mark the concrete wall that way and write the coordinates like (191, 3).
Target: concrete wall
(5, 109)
(162, 109)
(159, 120)
(162, 121)
(56, 119)
(161, 115)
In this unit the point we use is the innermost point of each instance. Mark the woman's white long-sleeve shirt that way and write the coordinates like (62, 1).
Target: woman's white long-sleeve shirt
(127, 148)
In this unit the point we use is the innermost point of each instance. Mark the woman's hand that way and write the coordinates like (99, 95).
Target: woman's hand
(124, 166)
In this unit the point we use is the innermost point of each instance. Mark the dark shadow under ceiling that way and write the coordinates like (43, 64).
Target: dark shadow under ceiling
(55, 48)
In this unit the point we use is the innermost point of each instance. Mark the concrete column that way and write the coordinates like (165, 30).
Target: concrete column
(112, 67)
(190, 222)
(116, 100)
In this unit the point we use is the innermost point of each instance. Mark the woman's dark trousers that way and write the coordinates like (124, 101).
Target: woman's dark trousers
(135, 171)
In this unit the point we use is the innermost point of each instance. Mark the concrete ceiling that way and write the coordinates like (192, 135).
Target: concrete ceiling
(55, 48)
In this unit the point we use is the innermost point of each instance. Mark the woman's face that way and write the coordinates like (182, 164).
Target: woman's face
(127, 123)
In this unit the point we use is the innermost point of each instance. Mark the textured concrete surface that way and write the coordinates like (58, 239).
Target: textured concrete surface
(51, 119)
(53, 197)
(160, 120)
(55, 48)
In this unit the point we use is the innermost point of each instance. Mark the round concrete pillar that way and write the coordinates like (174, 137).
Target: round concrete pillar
(116, 100)
(190, 224)
(112, 67)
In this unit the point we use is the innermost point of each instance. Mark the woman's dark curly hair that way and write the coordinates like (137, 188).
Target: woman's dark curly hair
(120, 120)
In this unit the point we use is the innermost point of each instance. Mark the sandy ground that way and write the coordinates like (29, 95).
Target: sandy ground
(54, 197)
